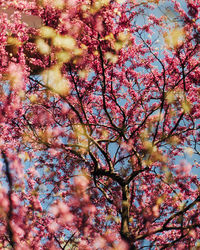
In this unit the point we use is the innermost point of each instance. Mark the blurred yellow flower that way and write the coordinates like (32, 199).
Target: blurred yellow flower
(175, 37)
(55, 81)
(42, 46)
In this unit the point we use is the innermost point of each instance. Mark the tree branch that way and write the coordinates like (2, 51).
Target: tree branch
(10, 211)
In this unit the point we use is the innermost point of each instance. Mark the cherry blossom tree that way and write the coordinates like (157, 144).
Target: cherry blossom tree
(99, 115)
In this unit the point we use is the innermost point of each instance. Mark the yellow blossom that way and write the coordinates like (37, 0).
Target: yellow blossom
(47, 32)
(55, 81)
(65, 42)
(186, 106)
(42, 46)
(175, 37)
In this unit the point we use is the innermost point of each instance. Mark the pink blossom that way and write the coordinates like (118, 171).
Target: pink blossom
(81, 182)
(183, 168)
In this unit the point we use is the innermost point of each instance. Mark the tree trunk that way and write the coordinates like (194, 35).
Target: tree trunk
(125, 233)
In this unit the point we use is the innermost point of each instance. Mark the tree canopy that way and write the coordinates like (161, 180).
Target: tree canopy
(99, 121)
